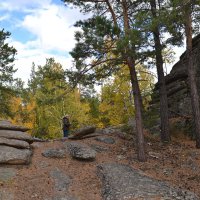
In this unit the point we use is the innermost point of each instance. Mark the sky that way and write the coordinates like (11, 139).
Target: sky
(40, 29)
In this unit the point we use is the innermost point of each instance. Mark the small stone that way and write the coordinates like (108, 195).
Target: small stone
(81, 151)
(54, 153)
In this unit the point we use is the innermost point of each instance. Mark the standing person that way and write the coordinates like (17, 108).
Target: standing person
(66, 125)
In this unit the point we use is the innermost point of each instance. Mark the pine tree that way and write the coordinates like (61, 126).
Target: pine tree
(189, 15)
(7, 57)
(109, 38)
(164, 118)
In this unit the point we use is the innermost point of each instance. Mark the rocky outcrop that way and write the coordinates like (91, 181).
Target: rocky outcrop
(177, 84)
(14, 144)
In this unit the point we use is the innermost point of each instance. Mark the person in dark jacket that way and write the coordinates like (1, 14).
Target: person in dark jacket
(66, 125)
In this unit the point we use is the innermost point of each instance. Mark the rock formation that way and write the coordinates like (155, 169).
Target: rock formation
(14, 144)
(178, 86)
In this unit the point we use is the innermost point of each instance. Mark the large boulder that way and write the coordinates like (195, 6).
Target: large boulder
(81, 151)
(10, 155)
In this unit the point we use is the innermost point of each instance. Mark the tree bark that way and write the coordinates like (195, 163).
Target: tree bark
(192, 73)
(164, 115)
(136, 90)
(138, 111)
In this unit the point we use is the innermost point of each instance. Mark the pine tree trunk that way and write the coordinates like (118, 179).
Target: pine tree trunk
(138, 111)
(164, 115)
(192, 74)
(136, 90)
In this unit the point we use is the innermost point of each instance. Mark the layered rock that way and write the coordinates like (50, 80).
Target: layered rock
(177, 84)
(14, 144)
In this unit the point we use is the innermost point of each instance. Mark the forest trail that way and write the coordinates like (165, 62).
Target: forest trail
(115, 173)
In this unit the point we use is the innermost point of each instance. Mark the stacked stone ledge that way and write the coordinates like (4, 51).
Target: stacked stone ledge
(14, 144)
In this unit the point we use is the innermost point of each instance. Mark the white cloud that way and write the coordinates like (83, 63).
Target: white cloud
(4, 17)
(51, 29)
(27, 55)
(22, 5)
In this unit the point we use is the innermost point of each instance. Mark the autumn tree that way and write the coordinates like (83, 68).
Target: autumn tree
(117, 105)
(53, 98)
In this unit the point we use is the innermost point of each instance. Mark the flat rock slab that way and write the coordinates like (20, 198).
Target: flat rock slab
(54, 153)
(106, 140)
(10, 155)
(7, 125)
(122, 182)
(81, 151)
(62, 181)
(7, 174)
(14, 143)
(18, 135)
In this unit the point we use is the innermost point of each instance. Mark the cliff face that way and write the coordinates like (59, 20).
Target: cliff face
(177, 84)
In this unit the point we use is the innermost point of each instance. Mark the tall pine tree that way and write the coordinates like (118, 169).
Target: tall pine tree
(109, 39)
